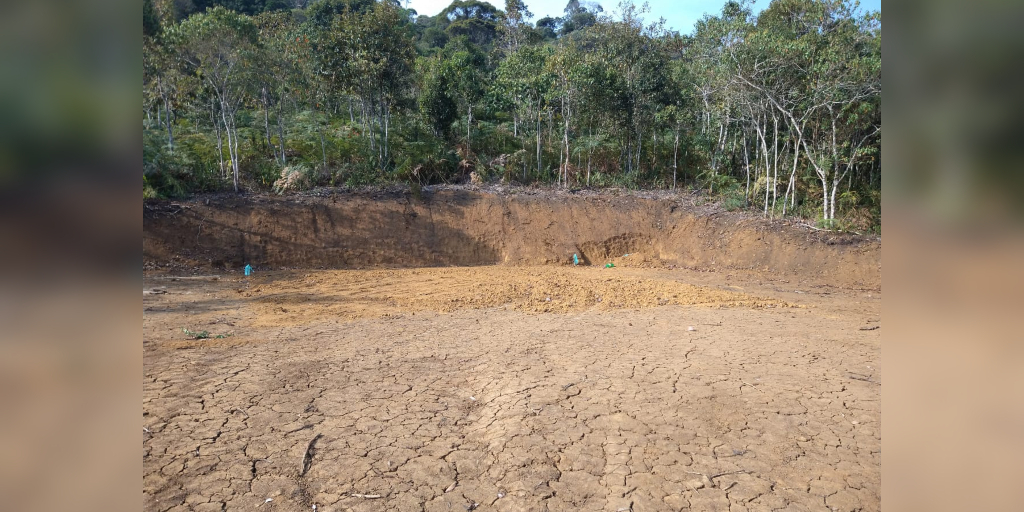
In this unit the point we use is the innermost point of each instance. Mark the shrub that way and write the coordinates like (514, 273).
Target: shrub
(294, 178)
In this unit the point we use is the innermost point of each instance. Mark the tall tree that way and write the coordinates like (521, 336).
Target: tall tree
(218, 45)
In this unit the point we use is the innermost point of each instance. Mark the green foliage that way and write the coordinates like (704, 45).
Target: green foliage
(203, 335)
(150, 21)
(359, 92)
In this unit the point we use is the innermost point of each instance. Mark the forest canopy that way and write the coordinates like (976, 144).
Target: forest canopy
(778, 112)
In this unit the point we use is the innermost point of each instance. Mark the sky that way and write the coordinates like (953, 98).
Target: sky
(680, 15)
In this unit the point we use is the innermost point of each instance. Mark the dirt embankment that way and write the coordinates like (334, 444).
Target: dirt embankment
(462, 227)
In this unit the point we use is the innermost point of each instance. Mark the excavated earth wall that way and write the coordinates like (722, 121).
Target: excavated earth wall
(469, 228)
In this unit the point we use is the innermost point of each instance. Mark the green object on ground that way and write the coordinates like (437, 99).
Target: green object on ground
(203, 335)
(609, 265)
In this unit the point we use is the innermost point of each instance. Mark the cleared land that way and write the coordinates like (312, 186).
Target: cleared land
(640, 387)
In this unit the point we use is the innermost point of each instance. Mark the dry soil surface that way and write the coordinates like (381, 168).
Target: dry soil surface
(509, 388)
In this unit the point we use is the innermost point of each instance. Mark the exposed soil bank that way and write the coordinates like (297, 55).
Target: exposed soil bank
(463, 227)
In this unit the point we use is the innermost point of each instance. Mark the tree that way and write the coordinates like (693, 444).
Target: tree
(218, 46)
(435, 99)
(548, 27)
(475, 20)
(512, 29)
(523, 81)
(382, 56)
(150, 20)
(818, 66)
(277, 72)
(636, 57)
(461, 72)
(793, 91)
(579, 16)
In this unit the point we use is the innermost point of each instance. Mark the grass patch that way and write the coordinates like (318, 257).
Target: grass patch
(203, 335)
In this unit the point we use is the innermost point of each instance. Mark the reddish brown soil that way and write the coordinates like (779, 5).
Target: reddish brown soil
(464, 227)
(509, 387)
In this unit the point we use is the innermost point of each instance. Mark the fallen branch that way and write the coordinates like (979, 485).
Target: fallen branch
(710, 479)
(307, 457)
(865, 379)
(870, 327)
(808, 226)
(366, 496)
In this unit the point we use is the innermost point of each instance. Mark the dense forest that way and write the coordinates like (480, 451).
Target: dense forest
(778, 112)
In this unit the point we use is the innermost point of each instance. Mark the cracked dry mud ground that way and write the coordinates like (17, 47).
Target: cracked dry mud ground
(773, 402)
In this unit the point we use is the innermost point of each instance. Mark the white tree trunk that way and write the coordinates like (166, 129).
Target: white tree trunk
(280, 129)
(832, 196)
(824, 201)
(675, 159)
(538, 138)
(767, 163)
(746, 163)
(775, 163)
(565, 140)
(232, 141)
(220, 140)
(791, 188)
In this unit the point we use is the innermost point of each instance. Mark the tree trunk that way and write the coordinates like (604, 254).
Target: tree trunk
(654, 150)
(266, 123)
(832, 200)
(590, 153)
(387, 122)
(167, 110)
(323, 145)
(792, 180)
(767, 162)
(232, 142)
(675, 158)
(746, 163)
(824, 201)
(775, 164)
(538, 139)
(280, 129)
(234, 129)
(565, 139)
(220, 140)
(639, 148)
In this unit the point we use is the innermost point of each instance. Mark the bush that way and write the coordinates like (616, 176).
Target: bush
(294, 178)
(258, 172)
(733, 199)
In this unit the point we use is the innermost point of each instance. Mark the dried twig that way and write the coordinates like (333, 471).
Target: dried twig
(870, 327)
(307, 457)
(710, 479)
(865, 379)
(366, 496)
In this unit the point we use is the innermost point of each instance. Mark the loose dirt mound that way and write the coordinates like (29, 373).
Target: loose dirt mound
(465, 228)
(283, 299)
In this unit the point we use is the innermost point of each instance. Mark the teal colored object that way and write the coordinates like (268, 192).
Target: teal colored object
(248, 269)
(575, 259)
